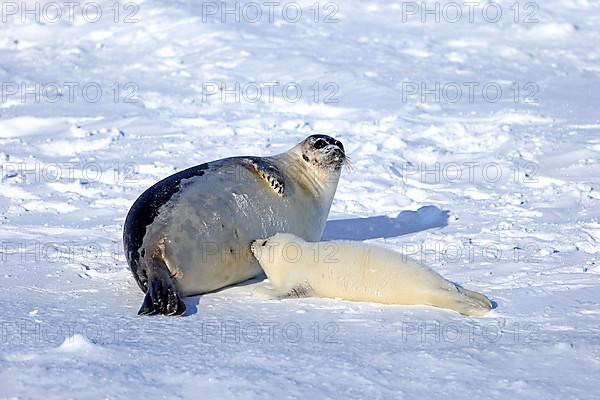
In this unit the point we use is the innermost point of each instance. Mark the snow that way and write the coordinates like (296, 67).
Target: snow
(501, 196)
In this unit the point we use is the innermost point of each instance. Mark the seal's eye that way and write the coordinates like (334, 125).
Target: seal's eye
(320, 143)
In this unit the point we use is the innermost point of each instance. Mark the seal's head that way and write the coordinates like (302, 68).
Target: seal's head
(323, 152)
(314, 167)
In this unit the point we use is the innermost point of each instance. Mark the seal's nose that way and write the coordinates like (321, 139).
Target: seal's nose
(337, 143)
(255, 243)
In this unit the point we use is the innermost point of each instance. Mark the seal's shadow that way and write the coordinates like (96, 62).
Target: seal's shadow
(191, 305)
(406, 222)
(192, 302)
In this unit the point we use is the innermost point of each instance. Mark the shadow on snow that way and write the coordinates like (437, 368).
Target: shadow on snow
(406, 222)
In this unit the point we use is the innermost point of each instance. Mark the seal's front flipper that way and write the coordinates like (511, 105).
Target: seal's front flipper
(300, 290)
(162, 296)
(269, 173)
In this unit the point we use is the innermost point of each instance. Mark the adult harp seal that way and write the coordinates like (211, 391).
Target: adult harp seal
(190, 233)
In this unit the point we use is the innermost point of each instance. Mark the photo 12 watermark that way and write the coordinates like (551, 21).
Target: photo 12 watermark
(90, 252)
(470, 92)
(24, 332)
(452, 12)
(68, 92)
(253, 12)
(525, 172)
(426, 252)
(270, 92)
(54, 12)
(84, 252)
(269, 332)
(432, 332)
(84, 172)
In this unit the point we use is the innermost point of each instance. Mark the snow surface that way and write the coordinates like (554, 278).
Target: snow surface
(529, 239)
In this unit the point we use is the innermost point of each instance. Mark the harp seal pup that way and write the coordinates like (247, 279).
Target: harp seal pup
(190, 233)
(358, 271)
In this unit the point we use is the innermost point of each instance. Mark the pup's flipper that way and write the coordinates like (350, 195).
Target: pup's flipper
(463, 301)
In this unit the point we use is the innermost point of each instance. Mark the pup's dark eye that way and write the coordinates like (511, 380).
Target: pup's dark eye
(320, 143)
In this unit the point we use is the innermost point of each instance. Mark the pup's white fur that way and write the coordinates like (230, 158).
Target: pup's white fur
(358, 271)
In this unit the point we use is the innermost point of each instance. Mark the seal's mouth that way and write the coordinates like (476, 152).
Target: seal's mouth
(336, 157)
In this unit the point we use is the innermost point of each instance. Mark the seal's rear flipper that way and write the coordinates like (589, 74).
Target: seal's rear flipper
(461, 300)
(162, 296)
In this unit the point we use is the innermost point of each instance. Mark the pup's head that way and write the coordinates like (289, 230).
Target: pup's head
(278, 255)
